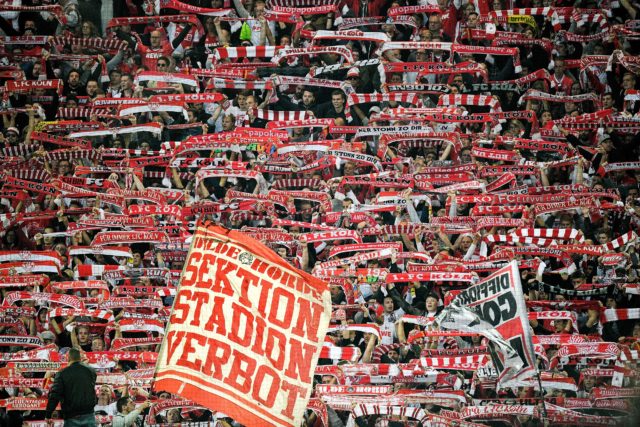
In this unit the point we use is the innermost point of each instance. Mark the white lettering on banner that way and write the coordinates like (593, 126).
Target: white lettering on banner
(95, 181)
(492, 410)
(369, 131)
(155, 210)
(31, 83)
(247, 329)
(337, 234)
(362, 389)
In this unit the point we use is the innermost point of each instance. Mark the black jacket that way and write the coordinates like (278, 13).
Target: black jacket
(74, 388)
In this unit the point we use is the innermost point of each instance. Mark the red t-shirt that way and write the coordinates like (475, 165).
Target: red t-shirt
(150, 55)
(562, 86)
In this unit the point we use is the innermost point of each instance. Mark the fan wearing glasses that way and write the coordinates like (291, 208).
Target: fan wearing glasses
(163, 64)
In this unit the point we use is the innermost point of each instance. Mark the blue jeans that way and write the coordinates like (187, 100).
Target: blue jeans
(88, 420)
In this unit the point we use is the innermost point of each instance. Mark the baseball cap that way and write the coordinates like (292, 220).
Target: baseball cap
(14, 130)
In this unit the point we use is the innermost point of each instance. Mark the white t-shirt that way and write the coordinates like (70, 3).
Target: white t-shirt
(256, 31)
(110, 409)
(388, 327)
(237, 113)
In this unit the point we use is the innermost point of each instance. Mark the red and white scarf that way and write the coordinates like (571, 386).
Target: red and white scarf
(220, 83)
(153, 127)
(514, 52)
(312, 50)
(119, 237)
(370, 36)
(477, 100)
(56, 10)
(90, 42)
(613, 314)
(412, 10)
(244, 52)
(543, 96)
(340, 353)
(433, 276)
(502, 16)
(68, 300)
(185, 79)
(188, 8)
(153, 107)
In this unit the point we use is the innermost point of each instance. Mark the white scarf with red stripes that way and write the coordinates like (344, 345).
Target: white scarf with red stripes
(185, 79)
(244, 52)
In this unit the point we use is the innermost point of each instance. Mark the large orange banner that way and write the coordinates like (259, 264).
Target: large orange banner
(245, 332)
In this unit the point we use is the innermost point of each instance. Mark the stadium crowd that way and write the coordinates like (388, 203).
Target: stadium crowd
(400, 150)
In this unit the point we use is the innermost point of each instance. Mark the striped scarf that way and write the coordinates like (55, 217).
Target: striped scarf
(154, 76)
(185, 7)
(19, 150)
(542, 96)
(91, 42)
(613, 315)
(514, 52)
(278, 115)
(297, 183)
(65, 312)
(363, 98)
(56, 10)
(340, 353)
(312, 50)
(537, 236)
(221, 83)
(478, 100)
(73, 154)
(432, 276)
(244, 52)
(351, 35)
(502, 16)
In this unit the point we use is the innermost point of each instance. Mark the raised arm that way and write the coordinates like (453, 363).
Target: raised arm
(242, 12)
(176, 42)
